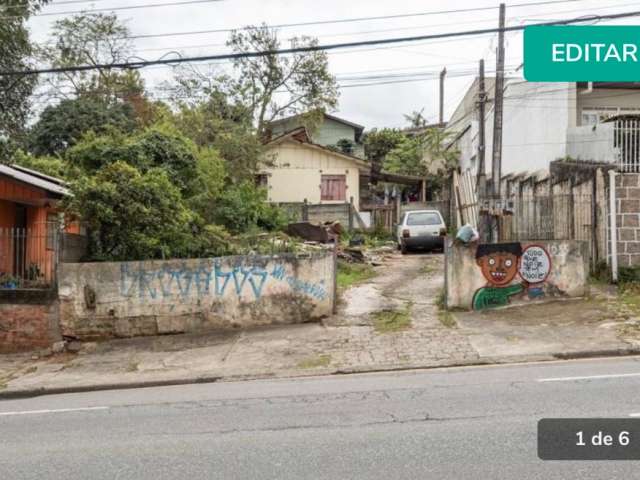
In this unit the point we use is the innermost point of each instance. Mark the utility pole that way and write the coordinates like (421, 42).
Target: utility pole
(482, 100)
(496, 163)
(442, 74)
(496, 150)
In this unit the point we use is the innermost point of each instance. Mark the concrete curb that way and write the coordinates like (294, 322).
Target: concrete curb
(41, 391)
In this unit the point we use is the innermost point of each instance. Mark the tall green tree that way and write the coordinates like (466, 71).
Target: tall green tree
(269, 86)
(61, 126)
(132, 215)
(90, 39)
(15, 54)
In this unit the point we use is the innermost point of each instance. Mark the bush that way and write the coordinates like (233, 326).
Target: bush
(133, 216)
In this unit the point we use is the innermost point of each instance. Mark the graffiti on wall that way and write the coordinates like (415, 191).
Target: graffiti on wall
(511, 271)
(206, 279)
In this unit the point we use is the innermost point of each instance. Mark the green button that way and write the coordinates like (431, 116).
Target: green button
(582, 54)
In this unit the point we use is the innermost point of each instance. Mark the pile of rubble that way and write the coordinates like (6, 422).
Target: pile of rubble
(328, 236)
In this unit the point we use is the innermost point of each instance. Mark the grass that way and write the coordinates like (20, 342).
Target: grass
(353, 273)
(447, 319)
(389, 321)
(629, 297)
(315, 362)
(444, 315)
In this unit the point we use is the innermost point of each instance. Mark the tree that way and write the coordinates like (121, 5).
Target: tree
(52, 166)
(378, 143)
(133, 215)
(269, 86)
(15, 55)
(61, 126)
(155, 147)
(304, 76)
(416, 119)
(215, 123)
(91, 39)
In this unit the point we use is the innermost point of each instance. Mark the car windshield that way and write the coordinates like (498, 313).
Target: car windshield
(423, 218)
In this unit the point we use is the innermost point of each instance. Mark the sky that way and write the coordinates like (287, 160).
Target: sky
(412, 67)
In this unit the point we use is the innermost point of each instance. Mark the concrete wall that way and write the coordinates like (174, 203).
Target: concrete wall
(28, 320)
(155, 297)
(535, 121)
(592, 143)
(297, 171)
(537, 271)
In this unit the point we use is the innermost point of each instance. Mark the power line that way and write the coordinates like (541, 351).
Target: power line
(311, 48)
(349, 20)
(113, 9)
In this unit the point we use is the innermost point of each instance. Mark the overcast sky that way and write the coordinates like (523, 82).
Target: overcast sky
(370, 105)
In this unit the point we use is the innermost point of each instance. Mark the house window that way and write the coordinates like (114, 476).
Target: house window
(52, 230)
(333, 187)
(262, 180)
(595, 115)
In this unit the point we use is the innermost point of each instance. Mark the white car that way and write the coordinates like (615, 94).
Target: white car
(421, 229)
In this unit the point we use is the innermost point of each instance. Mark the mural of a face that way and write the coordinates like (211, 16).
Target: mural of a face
(499, 262)
(499, 268)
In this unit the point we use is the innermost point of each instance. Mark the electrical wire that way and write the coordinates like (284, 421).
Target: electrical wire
(310, 48)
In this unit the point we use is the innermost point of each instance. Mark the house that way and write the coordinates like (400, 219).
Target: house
(29, 226)
(543, 122)
(330, 132)
(297, 170)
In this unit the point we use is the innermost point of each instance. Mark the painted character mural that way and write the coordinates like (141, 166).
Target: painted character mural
(499, 264)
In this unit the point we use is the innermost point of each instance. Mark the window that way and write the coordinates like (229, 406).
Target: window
(424, 218)
(333, 187)
(595, 115)
(52, 230)
(262, 180)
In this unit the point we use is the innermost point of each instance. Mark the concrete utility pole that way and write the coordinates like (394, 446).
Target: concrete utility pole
(482, 100)
(496, 163)
(442, 74)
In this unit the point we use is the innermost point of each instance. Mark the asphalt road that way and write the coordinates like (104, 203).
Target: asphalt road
(461, 423)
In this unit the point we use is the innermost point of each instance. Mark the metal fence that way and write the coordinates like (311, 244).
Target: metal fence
(29, 256)
(626, 138)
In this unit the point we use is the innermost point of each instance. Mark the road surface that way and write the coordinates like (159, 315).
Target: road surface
(460, 423)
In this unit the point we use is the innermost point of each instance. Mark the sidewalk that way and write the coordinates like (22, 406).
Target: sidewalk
(390, 322)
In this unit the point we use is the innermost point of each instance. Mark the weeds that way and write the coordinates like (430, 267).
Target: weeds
(352, 273)
(315, 362)
(388, 321)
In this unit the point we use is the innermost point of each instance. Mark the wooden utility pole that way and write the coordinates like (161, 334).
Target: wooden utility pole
(482, 100)
(442, 74)
(496, 163)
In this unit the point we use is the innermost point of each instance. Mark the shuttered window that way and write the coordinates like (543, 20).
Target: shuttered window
(333, 187)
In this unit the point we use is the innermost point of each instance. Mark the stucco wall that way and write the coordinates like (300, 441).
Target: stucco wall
(298, 169)
(552, 269)
(154, 297)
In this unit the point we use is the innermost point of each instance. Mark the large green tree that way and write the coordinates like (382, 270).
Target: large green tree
(15, 54)
(62, 125)
(133, 215)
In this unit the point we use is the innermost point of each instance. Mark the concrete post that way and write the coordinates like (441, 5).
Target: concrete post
(613, 226)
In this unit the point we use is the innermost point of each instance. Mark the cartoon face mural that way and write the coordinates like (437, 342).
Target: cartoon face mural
(499, 262)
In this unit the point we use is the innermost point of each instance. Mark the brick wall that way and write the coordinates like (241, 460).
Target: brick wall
(628, 218)
(29, 320)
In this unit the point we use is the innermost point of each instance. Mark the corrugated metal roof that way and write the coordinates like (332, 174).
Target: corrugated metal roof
(34, 180)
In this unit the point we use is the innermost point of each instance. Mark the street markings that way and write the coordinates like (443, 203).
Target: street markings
(61, 410)
(589, 377)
